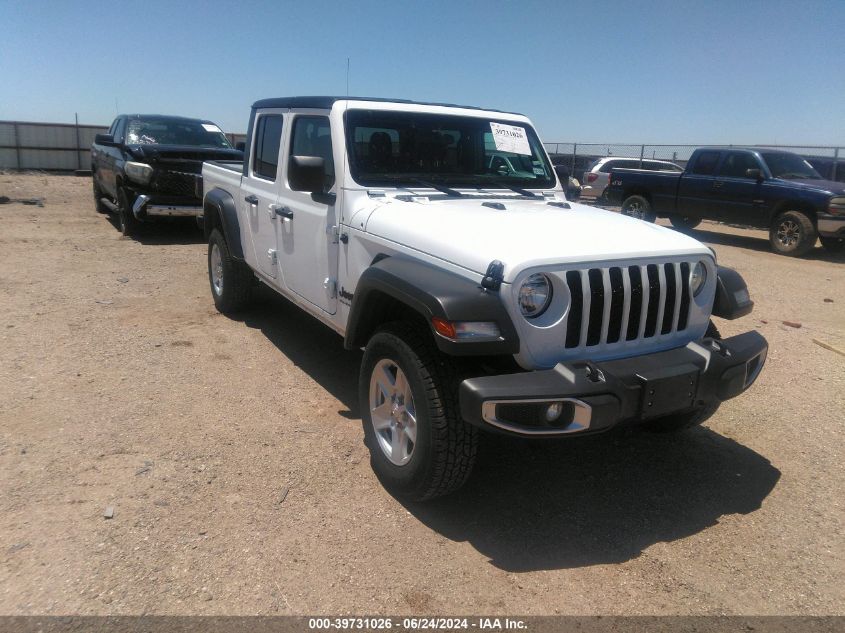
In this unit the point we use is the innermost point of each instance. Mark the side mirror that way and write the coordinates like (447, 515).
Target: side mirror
(104, 139)
(756, 174)
(240, 146)
(307, 173)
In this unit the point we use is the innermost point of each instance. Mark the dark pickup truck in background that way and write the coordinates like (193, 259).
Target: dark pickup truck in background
(774, 190)
(149, 166)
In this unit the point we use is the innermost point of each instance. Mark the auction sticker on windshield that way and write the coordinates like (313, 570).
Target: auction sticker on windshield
(211, 128)
(510, 138)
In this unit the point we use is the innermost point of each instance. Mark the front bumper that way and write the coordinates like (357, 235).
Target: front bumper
(146, 206)
(596, 396)
(831, 225)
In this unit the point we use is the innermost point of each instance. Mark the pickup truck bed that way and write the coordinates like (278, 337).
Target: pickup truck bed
(231, 165)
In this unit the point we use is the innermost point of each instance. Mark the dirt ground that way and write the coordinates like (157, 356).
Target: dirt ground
(231, 451)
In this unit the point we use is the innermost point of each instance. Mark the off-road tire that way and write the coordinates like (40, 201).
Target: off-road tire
(791, 225)
(98, 194)
(446, 446)
(680, 421)
(638, 207)
(684, 223)
(833, 244)
(235, 291)
(127, 223)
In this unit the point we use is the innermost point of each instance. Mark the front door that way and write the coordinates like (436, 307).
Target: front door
(734, 193)
(307, 242)
(259, 189)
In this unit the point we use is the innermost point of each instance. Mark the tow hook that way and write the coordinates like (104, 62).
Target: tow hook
(138, 208)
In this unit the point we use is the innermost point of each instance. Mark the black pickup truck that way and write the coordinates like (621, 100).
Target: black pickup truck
(774, 190)
(149, 166)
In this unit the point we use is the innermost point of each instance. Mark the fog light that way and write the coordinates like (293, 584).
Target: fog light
(553, 411)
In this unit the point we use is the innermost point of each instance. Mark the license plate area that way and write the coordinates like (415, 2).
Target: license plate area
(668, 389)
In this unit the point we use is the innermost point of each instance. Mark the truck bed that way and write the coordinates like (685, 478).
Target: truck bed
(222, 174)
(661, 187)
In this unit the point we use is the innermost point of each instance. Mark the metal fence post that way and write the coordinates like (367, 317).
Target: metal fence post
(642, 151)
(574, 151)
(17, 146)
(835, 163)
(78, 148)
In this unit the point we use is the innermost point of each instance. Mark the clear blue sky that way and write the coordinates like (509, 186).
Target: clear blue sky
(678, 72)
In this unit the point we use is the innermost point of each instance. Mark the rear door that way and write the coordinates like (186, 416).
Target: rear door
(307, 242)
(734, 193)
(696, 186)
(259, 188)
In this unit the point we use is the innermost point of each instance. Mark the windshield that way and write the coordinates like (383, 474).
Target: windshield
(783, 165)
(409, 148)
(175, 132)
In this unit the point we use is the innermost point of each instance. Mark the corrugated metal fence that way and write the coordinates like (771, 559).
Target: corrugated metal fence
(27, 145)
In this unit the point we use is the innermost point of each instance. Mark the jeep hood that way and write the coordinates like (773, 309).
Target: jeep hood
(525, 234)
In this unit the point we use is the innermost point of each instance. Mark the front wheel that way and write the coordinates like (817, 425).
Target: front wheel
(792, 233)
(833, 244)
(420, 448)
(230, 280)
(126, 221)
(638, 207)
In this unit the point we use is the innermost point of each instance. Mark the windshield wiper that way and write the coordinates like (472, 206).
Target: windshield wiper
(441, 188)
(519, 190)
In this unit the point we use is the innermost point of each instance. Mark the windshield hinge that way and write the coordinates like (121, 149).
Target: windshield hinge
(493, 277)
(376, 193)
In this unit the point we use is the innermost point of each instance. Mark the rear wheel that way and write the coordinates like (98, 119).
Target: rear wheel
(638, 207)
(420, 448)
(833, 244)
(126, 221)
(230, 280)
(684, 223)
(680, 421)
(792, 233)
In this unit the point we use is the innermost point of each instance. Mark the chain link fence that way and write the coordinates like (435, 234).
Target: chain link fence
(579, 157)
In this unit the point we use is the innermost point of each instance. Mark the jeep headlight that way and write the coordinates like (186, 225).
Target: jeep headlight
(837, 205)
(139, 172)
(535, 295)
(697, 278)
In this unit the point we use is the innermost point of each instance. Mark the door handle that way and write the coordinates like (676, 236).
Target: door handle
(281, 210)
(717, 184)
(251, 199)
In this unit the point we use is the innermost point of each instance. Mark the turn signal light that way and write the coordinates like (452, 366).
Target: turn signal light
(444, 327)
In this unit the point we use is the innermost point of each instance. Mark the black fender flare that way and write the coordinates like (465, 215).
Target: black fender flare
(221, 204)
(430, 292)
(732, 298)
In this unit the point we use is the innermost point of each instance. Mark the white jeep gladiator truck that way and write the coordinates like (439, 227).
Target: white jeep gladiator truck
(438, 239)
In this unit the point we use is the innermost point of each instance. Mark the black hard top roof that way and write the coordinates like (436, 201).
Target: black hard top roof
(325, 103)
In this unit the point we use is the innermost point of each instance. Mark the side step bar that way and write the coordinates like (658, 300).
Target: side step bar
(108, 203)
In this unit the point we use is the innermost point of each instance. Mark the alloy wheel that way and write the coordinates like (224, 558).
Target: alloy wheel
(393, 413)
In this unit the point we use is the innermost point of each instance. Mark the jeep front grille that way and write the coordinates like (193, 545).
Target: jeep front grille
(626, 303)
